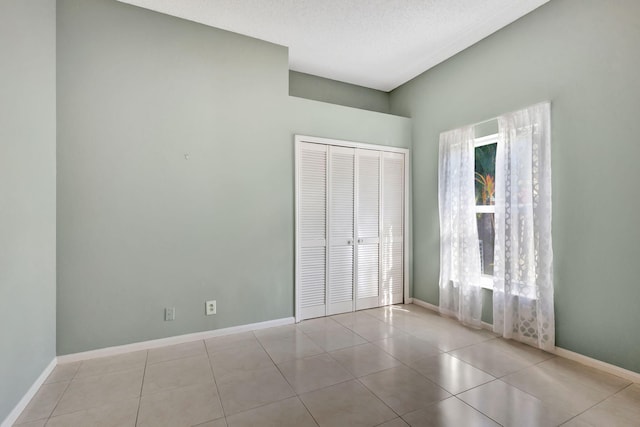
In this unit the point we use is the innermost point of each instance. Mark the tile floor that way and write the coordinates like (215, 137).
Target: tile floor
(392, 366)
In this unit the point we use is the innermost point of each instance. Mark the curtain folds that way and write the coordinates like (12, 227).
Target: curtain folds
(460, 291)
(523, 269)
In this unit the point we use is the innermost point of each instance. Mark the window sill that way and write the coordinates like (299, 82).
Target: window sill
(486, 282)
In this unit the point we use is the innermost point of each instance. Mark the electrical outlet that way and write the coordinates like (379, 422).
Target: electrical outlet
(210, 307)
(169, 314)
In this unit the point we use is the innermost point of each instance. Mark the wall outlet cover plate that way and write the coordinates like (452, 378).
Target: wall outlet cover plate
(210, 307)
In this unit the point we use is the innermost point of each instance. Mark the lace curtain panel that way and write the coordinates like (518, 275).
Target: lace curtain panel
(523, 257)
(460, 293)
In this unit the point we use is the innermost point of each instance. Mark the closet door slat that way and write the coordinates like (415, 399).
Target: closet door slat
(341, 228)
(368, 193)
(368, 227)
(312, 230)
(392, 247)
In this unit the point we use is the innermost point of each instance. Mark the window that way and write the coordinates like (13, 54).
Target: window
(485, 174)
(499, 236)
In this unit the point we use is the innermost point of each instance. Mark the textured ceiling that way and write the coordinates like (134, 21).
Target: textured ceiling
(379, 44)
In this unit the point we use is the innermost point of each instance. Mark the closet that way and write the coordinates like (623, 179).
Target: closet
(351, 210)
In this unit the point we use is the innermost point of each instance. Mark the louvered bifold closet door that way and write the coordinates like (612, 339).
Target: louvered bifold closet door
(392, 241)
(312, 230)
(341, 229)
(368, 228)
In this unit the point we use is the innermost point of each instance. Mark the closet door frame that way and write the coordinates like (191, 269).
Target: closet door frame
(299, 139)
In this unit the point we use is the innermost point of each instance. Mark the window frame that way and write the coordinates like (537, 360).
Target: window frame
(486, 280)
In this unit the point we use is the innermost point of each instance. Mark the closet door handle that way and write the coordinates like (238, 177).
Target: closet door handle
(359, 240)
(349, 242)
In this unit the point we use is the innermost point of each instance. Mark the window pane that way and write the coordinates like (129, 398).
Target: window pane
(486, 236)
(485, 174)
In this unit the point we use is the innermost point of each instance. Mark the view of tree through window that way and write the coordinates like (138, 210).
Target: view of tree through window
(485, 168)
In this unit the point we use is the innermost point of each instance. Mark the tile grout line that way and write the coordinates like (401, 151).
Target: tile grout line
(514, 386)
(543, 402)
(206, 350)
(477, 410)
(274, 362)
(307, 408)
(144, 374)
(215, 383)
(501, 351)
(73, 378)
(413, 336)
(276, 401)
(455, 395)
(402, 363)
(599, 402)
(297, 396)
(407, 364)
(378, 397)
(476, 367)
(56, 405)
(480, 385)
(63, 393)
(99, 374)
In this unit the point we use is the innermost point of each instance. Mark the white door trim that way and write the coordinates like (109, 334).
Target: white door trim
(298, 140)
(351, 144)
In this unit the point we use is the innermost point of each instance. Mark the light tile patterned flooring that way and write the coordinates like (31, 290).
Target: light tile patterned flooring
(392, 366)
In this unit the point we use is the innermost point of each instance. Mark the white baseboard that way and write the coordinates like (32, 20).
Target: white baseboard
(567, 354)
(144, 345)
(428, 306)
(598, 364)
(17, 410)
(179, 339)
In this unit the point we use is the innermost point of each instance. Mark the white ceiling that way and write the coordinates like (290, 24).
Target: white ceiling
(379, 44)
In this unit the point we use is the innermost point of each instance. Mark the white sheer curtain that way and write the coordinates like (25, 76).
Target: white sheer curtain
(460, 292)
(523, 264)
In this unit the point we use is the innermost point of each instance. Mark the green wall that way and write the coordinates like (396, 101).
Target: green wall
(140, 227)
(27, 195)
(313, 87)
(583, 57)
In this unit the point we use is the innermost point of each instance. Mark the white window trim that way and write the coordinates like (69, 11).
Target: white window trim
(486, 281)
(485, 209)
(486, 140)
